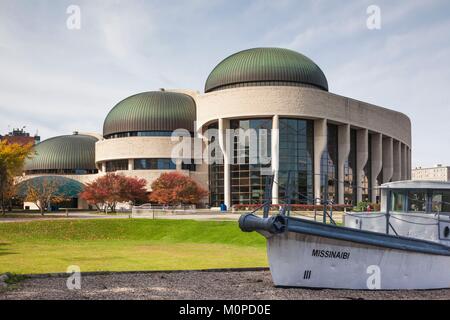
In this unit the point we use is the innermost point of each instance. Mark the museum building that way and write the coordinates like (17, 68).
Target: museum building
(330, 145)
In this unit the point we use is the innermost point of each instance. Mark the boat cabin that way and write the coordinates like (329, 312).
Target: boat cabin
(416, 197)
(416, 209)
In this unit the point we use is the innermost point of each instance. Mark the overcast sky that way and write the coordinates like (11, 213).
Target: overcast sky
(57, 80)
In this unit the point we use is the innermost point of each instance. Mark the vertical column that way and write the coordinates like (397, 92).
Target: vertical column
(178, 163)
(224, 124)
(397, 175)
(404, 162)
(343, 152)
(275, 151)
(362, 155)
(130, 164)
(409, 163)
(377, 162)
(104, 167)
(320, 143)
(388, 158)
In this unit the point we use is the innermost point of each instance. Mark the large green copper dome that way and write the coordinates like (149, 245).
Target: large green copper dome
(70, 152)
(266, 66)
(151, 111)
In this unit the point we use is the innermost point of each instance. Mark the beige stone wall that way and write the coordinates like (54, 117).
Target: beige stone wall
(303, 103)
(135, 148)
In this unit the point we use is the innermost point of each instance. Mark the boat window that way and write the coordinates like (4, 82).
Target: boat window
(417, 201)
(441, 201)
(398, 201)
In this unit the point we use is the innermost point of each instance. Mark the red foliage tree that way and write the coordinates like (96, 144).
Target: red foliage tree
(106, 191)
(175, 188)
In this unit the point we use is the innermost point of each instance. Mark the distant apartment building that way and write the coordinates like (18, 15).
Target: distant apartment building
(437, 173)
(20, 136)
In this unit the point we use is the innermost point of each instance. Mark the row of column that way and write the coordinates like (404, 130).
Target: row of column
(389, 156)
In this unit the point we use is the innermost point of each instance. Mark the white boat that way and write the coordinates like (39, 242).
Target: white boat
(406, 246)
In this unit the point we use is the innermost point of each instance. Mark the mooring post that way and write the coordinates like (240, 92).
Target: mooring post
(325, 198)
(388, 208)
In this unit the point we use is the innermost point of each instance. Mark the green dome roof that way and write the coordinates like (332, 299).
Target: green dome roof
(151, 111)
(266, 66)
(64, 152)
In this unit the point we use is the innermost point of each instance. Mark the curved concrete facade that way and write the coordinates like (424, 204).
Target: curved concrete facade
(389, 131)
(302, 103)
(133, 148)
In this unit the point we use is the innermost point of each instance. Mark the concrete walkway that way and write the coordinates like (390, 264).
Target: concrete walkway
(84, 215)
(205, 215)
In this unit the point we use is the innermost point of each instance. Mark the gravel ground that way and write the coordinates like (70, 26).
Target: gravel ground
(192, 285)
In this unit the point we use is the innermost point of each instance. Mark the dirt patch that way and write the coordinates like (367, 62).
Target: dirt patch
(193, 285)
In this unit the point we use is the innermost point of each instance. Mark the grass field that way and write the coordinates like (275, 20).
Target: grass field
(127, 245)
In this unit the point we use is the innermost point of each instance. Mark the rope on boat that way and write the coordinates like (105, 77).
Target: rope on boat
(369, 217)
(418, 223)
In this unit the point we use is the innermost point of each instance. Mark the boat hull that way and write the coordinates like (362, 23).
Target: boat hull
(305, 260)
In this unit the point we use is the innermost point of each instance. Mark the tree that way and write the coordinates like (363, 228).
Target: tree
(108, 190)
(12, 159)
(44, 192)
(175, 188)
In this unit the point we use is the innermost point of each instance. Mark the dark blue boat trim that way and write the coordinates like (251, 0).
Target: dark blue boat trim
(308, 227)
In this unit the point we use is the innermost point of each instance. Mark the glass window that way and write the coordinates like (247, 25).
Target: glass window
(329, 166)
(417, 201)
(189, 166)
(215, 174)
(366, 182)
(154, 164)
(141, 134)
(247, 183)
(116, 165)
(297, 157)
(350, 172)
(398, 201)
(441, 201)
(62, 171)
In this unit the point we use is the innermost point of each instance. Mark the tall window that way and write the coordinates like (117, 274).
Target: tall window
(379, 183)
(329, 166)
(366, 182)
(350, 172)
(247, 182)
(216, 174)
(297, 157)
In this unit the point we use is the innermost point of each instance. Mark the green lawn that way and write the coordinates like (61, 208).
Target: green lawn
(127, 244)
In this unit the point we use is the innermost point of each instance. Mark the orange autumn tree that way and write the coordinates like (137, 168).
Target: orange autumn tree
(108, 190)
(175, 188)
